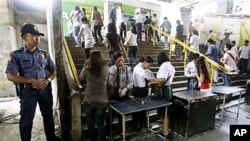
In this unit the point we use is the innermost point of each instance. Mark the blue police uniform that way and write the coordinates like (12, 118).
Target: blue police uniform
(34, 65)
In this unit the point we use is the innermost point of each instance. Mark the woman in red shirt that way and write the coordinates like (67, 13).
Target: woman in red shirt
(204, 74)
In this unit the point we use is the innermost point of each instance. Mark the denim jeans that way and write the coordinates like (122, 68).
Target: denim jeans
(226, 80)
(75, 35)
(96, 113)
(132, 51)
(166, 42)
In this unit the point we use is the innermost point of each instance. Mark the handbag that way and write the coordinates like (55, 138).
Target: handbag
(157, 89)
(110, 88)
(127, 41)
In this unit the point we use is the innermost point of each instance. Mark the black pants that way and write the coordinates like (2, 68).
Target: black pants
(87, 52)
(243, 63)
(28, 99)
(139, 119)
(138, 30)
(97, 30)
(123, 30)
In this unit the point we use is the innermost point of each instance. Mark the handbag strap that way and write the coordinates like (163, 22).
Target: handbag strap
(231, 55)
(165, 81)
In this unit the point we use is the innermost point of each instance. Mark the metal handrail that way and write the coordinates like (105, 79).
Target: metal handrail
(188, 48)
(72, 64)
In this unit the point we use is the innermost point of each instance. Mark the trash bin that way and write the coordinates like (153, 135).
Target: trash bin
(247, 97)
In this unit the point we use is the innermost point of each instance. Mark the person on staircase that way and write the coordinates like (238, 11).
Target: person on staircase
(194, 44)
(203, 74)
(212, 53)
(179, 36)
(223, 42)
(86, 36)
(113, 42)
(131, 43)
(165, 76)
(75, 16)
(229, 61)
(98, 23)
(244, 57)
(166, 25)
(148, 30)
(120, 77)
(155, 23)
(141, 76)
(138, 25)
(95, 72)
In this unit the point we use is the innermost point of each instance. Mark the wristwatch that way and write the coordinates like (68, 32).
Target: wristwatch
(49, 79)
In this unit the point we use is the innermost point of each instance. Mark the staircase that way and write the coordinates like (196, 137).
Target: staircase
(144, 48)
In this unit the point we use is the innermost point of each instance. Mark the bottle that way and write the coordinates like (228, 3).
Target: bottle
(191, 87)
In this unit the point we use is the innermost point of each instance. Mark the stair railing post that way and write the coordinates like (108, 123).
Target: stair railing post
(153, 37)
(212, 76)
(185, 57)
(147, 27)
(170, 49)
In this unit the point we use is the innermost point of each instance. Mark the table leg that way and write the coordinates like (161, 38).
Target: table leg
(223, 107)
(238, 106)
(148, 119)
(110, 122)
(123, 128)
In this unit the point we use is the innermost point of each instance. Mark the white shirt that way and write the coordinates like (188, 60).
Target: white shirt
(138, 18)
(244, 52)
(85, 28)
(166, 69)
(230, 63)
(133, 38)
(140, 74)
(76, 17)
(194, 41)
(87, 36)
(190, 70)
(125, 77)
(234, 49)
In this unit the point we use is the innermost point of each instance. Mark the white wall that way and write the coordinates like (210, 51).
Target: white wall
(172, 12)
(138, 3)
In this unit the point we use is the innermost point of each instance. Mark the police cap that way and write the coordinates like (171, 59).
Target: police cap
(30, 28)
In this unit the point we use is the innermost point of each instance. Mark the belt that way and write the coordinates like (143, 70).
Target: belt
(29, 87)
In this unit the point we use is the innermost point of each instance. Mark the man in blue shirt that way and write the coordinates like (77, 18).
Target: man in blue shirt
(212, 53)
(33, 69)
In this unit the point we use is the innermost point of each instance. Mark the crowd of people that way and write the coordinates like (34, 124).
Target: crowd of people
(124, 81)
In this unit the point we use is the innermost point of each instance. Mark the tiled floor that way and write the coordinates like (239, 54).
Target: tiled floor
(10, 132)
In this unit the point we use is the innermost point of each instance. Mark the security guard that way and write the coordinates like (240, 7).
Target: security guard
(120, 79)
(33, 69)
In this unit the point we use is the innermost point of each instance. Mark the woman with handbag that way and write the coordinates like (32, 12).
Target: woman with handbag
(164, 77)
(95, 72)
(131, 43)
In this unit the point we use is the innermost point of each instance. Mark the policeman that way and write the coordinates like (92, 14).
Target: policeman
(120, 78)
(33, 69)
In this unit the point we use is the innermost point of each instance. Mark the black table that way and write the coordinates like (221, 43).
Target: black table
(130, 106)
(227, 90)
(192, 114)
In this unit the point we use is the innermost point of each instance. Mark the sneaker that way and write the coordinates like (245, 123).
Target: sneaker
(77, 45)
